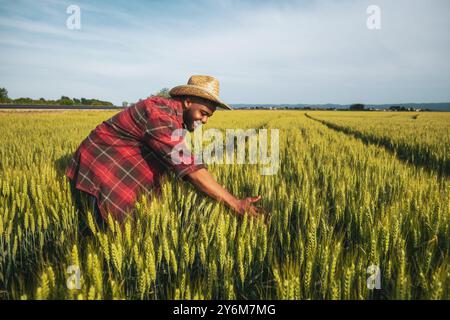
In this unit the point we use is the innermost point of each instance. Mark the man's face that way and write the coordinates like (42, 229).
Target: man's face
(197, 111)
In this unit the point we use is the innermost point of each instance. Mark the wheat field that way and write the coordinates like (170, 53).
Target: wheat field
(354, 190)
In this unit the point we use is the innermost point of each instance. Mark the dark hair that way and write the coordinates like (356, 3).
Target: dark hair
(200, 100)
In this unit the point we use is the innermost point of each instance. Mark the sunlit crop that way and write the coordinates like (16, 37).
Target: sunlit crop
(349, 193)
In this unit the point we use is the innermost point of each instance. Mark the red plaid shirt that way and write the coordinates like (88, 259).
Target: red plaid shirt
(128, 153)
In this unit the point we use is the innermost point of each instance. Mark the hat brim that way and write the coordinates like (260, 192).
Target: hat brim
(192, 90)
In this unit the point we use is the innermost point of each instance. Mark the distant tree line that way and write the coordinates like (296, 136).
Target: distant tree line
(63, 101)
(401, 108)
(361, 107)
(357, 107)
(164, 92)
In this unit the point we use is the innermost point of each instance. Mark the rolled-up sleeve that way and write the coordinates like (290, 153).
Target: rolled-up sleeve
(163, 134)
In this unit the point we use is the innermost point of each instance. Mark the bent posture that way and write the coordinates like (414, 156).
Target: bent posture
(128, 153)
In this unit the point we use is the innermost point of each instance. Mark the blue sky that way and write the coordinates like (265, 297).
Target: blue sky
(261, 51)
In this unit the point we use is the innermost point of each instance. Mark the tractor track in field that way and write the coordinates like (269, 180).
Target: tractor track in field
(403, 155)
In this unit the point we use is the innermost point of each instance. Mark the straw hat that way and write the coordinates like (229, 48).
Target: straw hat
(205, 87)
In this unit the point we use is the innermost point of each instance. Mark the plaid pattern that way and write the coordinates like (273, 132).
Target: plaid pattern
(128, 153)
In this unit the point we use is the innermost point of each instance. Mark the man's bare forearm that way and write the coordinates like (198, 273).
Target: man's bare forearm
(206, 183)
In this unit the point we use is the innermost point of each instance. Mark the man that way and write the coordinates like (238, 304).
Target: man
(128, 153)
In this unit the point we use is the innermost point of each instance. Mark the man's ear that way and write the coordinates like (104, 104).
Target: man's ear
(187, 102)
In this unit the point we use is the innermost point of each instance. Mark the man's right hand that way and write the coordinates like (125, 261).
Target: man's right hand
(204, 182)
(246, 206)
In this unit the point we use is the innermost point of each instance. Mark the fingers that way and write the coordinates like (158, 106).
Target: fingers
(255, 211)
(261, 213)
(254, 199)
(250, 210)
(253, 214)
